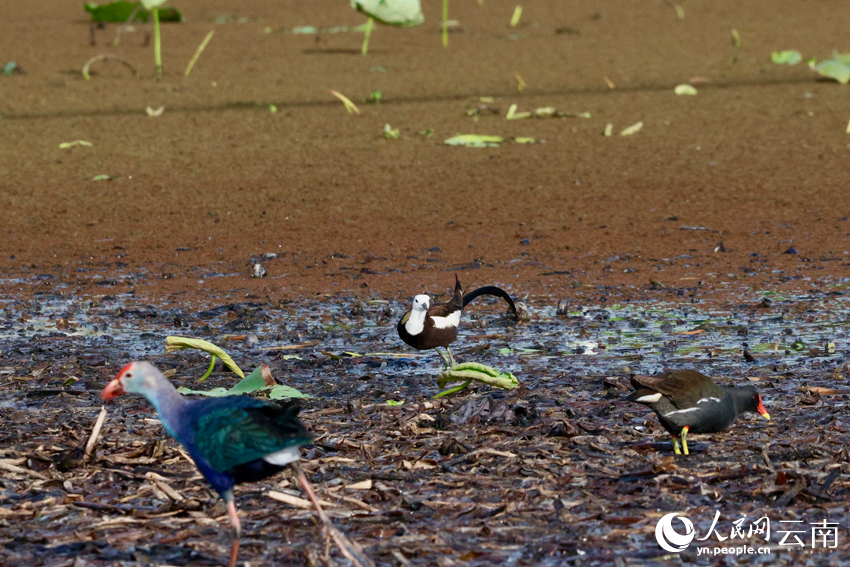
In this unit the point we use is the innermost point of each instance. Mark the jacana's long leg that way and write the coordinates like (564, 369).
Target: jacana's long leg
(676, 449)
(349, 549)
(451, 358)
(446, 364)
(237, 531)
(684, 436)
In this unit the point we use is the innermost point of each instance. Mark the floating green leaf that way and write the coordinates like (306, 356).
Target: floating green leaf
(685, 90)
(254, 382)
(176, 343)
(543, 112)
(117, 12)
(305, 30)
(121, 11)
(10, 68)
(514, 115)
(280, 391)
(516, 16)
(680, 12)
(475, 141)
(736, 44)
(66, 145)
(633, 129)
(834, 69)
(403, 13)
(787, 57)
(520, 82)
(391, 133)
(523, 140)
(101, 178)
(393, 403)
(609, 129)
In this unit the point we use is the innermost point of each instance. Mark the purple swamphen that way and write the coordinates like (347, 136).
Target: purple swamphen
(232, 439)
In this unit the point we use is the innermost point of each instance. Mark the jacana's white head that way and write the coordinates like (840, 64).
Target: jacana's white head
(135, 378)
(421, 302)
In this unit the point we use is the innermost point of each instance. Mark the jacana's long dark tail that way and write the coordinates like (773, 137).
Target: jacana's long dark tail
(490, 290)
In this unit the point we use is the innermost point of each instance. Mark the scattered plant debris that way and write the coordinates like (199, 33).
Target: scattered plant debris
(349, 106)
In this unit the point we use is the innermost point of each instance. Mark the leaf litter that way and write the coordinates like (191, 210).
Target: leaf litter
(556, 471)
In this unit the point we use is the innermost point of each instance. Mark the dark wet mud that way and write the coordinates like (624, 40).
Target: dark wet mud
(558, 471)
(715, 238)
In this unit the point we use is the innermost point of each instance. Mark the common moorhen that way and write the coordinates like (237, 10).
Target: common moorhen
(687, 401)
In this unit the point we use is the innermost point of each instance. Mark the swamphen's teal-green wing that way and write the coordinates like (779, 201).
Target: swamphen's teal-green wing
(233, 431)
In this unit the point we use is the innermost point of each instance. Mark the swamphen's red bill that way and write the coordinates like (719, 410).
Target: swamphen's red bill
(112, 390)
(115, 388)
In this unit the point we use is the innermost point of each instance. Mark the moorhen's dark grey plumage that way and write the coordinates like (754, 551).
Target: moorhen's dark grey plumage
(687, 401)
(428, 326)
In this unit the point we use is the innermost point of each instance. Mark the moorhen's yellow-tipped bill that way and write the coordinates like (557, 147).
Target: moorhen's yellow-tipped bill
(428, 326)
(689, 402)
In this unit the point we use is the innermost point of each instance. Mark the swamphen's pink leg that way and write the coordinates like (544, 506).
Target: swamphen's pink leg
(237, 531)
(349, 549)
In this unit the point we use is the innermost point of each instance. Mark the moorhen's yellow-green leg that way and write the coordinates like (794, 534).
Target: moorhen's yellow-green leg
(684, 436)
(676, 449)
(237, 531)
